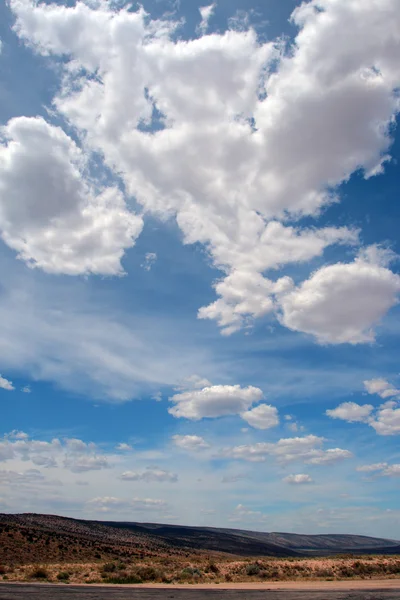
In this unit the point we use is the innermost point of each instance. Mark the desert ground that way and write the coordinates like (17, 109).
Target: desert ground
(381, 590)
(43, 549)
(217, 570)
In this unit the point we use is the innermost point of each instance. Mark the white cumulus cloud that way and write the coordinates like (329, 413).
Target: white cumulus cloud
(341, 303)
(351, 412)
(306, 449)
(263, 416)
(246, 134)
(50, 214)
(385, 419)
(214, 401)
(190, 442)
(74, 454)
(381, 387)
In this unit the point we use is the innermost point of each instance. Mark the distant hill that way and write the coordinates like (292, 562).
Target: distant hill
(49, 538)
(238, 541)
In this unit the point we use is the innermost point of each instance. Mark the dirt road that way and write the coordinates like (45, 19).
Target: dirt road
(71, 592)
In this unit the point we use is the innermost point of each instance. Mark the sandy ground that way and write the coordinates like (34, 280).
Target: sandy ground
(356, 584)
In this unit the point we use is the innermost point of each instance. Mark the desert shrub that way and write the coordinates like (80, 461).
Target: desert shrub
(63, 576)
(269, 573)
(192, 571)
(109, 568)
(189, 574)
(394, 568)
(3, 570)
(39, 573)
(323, 573)
(345, 572)
(5, 577)
(119, 579)
(360, 568)
(148, 573)
(228, 577)
(252, 569)
(211, 568)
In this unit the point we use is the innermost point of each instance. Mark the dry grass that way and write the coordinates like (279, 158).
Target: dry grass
(209, 570)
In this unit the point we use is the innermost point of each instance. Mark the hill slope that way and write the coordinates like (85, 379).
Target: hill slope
(47, 538)
(245, 542)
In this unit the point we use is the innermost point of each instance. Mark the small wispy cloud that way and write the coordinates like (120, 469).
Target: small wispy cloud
(149, 261)
(5, 384)
(206, 13)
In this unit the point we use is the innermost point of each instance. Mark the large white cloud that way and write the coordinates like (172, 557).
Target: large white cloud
(306, 449)
(205, 130)
(262, 416)
(351, 412)
(49, 212)
(385, 419)
(72, 454)
(381, 387)
(214, 401)
(341, 303)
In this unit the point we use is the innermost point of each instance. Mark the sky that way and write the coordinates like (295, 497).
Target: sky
(199, 262)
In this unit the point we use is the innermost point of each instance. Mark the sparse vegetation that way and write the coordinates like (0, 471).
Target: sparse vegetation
(37, 547)
(227, 569)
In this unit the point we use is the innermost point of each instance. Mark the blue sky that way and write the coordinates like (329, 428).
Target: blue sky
(199, 263)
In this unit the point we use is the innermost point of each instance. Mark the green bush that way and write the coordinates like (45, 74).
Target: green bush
(252, 569)
(63, 576)
(191, 571)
